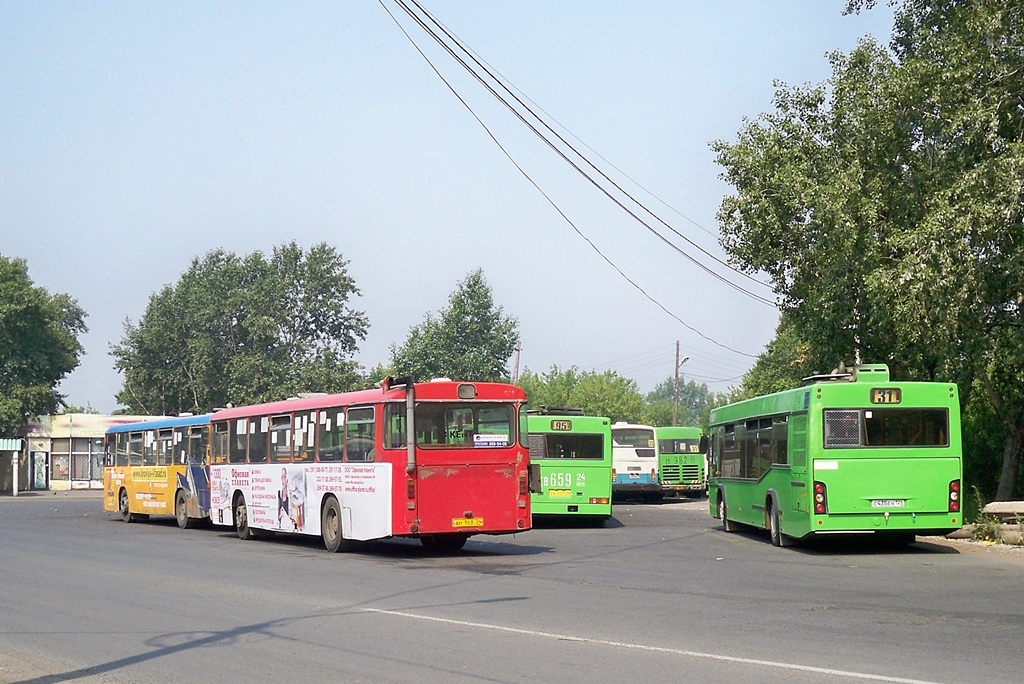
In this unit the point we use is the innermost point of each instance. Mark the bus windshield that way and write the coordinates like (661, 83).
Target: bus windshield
(886, 427)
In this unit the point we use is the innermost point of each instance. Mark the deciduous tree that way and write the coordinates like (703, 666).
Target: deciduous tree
(886, 206)
(472, 339)
(38, 345)
(244, 330)
(598, 394)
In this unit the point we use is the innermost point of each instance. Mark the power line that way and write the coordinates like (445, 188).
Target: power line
(534, 183)
(499, 81)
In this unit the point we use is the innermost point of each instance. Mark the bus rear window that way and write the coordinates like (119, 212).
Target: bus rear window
(566, 445)
(640, 439)
(446, 426)
(886, 427)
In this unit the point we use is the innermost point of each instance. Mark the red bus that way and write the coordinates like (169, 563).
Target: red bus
(439, 461)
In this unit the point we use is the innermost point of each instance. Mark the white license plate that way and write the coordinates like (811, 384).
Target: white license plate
(888, 503)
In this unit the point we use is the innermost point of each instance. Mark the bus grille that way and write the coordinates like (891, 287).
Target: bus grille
(680, 474)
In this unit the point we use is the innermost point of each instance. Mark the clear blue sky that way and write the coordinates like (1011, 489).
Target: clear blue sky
(136, 136)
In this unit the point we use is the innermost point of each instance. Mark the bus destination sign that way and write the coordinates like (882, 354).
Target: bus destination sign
(886, 395)
(561, 425)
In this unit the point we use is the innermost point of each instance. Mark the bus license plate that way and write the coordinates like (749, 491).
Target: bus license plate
(467, 522)
(559, 492)
(888, 503)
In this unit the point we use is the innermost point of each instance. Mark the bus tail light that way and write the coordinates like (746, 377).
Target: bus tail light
(654, 474)
(602, 500)
(820, 498)
(954, 496)
(524, 483)
(410, 488)
(613, 474)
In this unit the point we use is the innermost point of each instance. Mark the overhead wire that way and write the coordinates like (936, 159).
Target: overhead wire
(421, 22)
(500, 82)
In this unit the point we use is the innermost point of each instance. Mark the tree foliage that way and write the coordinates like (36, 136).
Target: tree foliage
(694, 408)
(598, 394)
(38, 345)
(243, 330)
(886, 206)
(472, 339)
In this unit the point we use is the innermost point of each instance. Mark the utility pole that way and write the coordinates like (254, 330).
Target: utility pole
(675, 393)
(515, 370)
(675, 396)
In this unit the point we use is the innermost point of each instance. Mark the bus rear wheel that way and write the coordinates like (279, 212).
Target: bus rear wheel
(181, 510)
(331, 528)
(122, 503)
(774, 530)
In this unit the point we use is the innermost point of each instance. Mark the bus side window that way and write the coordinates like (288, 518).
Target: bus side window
(281, 439)
(165, 446)
(219, 444)
(359, 438)
(121, 449)
(304, 430)
(239, 440)
(330, 432)
(259, 429)
(394, 426)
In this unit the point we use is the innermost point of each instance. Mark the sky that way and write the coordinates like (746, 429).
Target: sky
(135, 137)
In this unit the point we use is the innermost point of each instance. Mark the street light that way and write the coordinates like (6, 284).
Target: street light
(675, 398)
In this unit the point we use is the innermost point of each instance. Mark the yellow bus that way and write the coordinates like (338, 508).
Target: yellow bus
(158, 467)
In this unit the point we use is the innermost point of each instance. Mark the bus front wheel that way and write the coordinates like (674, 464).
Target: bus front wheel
(181, 510)
(727, 525)
(330, 526)
(242, 528)
(122, 502)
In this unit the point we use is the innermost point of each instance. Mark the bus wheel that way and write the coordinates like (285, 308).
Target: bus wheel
(242, 528)
(443, 543)
(122, 500)
(772, 515)
(727, 525)
(330, 526)
(181, 510)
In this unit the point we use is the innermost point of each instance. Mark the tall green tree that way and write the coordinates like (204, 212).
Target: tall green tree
(38, 345)
(598, 394)
(244, 330)
(886, 206)
(472, 339)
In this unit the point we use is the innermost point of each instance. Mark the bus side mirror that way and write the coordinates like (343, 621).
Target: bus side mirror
(703, 444)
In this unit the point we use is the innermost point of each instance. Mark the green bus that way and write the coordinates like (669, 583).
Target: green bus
(571, 461)
(849, 452)
(682, 465)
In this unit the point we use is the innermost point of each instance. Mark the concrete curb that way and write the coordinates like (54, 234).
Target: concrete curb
(1004, 534)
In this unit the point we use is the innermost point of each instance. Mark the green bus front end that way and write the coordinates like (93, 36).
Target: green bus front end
(850, 454)
(682, 466)
(570, 465)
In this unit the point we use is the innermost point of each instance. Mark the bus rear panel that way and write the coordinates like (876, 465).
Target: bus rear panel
(571, 460)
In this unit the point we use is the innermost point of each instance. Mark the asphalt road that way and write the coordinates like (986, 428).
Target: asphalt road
(660, 593)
